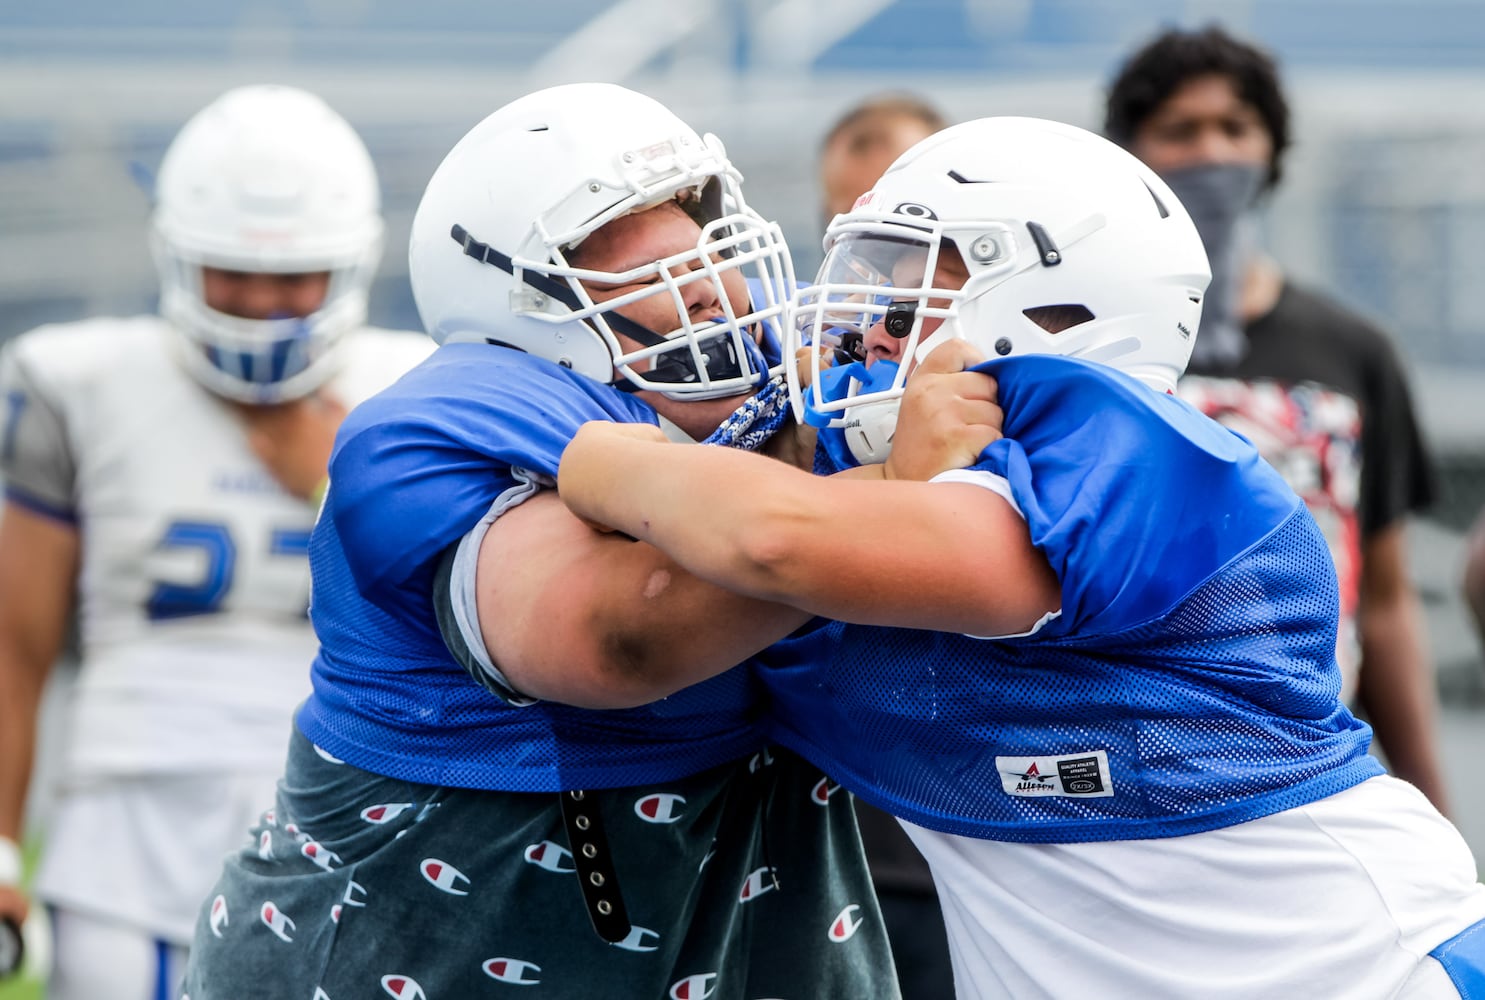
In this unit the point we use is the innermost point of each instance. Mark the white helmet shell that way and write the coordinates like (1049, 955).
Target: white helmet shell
(488, 259)
(1046, 218)
(266, 179)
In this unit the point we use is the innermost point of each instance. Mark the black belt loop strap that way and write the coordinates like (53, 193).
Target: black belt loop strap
(595, 866)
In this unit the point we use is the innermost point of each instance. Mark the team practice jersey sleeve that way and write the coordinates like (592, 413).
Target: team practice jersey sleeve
(1118, 484)
(35, 452)
(416, 467)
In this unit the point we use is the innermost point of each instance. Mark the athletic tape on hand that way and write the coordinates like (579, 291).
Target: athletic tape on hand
(10, 862)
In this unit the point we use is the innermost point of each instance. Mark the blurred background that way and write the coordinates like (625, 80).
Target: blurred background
(1383, 202)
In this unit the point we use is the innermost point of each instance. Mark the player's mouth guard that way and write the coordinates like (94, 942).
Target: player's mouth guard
(844, 382)
(717, 353)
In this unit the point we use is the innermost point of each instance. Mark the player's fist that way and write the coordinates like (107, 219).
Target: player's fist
(948, 415)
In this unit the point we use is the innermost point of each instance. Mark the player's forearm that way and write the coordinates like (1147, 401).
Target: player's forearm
(20, 703)
(733, 518)
(601, 621)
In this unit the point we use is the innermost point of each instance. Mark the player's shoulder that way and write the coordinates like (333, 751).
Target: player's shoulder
(89, 349)
(374, 358)
(492, 400)
(108, 336)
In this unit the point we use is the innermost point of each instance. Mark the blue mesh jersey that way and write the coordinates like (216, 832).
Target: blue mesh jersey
(1188, 684)
(414, 469)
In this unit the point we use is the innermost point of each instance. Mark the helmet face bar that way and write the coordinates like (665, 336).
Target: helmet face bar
(266, 180)
(1019, 235)
(497, 246)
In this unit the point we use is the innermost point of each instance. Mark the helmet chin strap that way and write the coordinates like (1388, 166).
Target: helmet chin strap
(948, 330)
(869, 430)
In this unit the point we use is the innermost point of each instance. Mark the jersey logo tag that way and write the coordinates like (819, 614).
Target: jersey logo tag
(1076, 775)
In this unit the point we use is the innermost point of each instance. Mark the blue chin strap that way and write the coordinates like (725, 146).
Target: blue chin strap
(835, 385)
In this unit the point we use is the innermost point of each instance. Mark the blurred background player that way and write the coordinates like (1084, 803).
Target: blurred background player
(865, 140)
(858, 149)
(161, 476)
(1318, 388)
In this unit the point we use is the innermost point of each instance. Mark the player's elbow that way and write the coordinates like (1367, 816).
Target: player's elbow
(603, 667)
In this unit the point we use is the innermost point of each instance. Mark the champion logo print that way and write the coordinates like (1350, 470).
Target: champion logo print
(218, 917)
(402, 987)
(277, 921)
(444, 876)
(512, 970)
(265, 846)
(353, 890)
(382, 812)
(694, 987)
(326, 756)
(846, 924)
(638, 939)
(662, 807)
(320, 854)
(762, 880)
(824, 788)
(550, 856)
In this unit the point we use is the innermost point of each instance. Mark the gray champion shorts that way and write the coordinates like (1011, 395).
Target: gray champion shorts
(746, 881)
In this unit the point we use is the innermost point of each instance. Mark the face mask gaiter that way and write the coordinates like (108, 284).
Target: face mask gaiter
(1219, 198)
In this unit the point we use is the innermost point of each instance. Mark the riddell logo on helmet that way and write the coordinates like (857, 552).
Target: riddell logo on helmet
(1185, 330)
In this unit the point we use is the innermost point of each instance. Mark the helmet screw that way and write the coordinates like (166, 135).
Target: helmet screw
(984, 249)
(564, 362)
(1003, 346)
(1051, 257)
(539, 301)
(628, 157)
(594, 187)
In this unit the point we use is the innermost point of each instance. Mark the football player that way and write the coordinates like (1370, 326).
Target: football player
(161, 475)
(445, 825)
(1108, 705)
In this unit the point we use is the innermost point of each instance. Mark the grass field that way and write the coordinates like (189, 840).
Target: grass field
(20, 989)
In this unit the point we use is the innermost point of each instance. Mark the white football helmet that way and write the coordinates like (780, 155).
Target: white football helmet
(1048, 220)
(488, 256)
(266, 179)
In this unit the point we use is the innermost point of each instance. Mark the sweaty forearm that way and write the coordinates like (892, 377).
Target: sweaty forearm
(598, 620)
(726, 516)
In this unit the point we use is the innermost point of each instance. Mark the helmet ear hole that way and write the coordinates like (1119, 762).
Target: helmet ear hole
(1056, 319)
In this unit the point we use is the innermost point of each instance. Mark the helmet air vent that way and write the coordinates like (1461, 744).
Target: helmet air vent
(1055, 319)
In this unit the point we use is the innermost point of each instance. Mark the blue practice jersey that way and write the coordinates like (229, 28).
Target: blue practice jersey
(1189, 682)
(414, 469)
